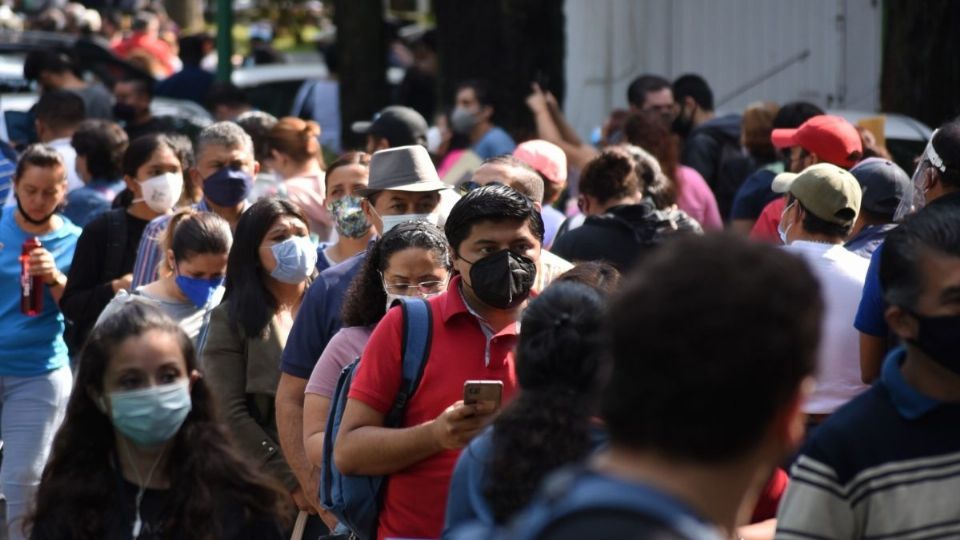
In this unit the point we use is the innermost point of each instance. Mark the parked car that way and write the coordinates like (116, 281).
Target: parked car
(906, 136)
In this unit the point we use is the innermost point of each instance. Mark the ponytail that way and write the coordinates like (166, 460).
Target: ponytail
(548, 424)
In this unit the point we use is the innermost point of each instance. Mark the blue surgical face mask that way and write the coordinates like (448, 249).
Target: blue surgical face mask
(198, 290)
(228, 187)
(296, 259)
(151, 416)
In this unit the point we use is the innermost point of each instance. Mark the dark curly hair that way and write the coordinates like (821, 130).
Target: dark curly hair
(547, 425)
(610, 176)
(79, 482)
(366, 301)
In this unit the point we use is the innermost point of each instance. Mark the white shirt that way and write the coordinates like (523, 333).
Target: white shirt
(841, 274)
(69, 155)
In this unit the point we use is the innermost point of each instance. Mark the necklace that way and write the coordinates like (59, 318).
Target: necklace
(141, 486)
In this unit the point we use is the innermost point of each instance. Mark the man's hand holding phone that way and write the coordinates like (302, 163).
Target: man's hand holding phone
(463, 420)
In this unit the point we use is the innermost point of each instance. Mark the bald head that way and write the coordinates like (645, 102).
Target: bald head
(510, 171)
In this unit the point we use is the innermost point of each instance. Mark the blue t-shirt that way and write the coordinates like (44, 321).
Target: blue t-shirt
(596, 505)
(91, 200)
(869, 239)
(870, 319)
(319, 317)
(755, 193)
(495, 142)
(466, 503)
(31, 346)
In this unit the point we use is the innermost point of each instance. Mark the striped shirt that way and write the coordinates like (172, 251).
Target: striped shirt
(150, 251)
(886, 465)
(7, 168)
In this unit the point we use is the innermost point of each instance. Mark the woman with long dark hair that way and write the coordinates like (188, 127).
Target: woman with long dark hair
(412, 259)
(268, 272)
(107, 248)
(548, 423)
(141, 453)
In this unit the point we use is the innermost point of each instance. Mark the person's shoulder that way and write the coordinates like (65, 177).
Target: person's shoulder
(99, 224)
(344, 269)
(158, 223)
(69, 229)
(573, 503)
(857, 435)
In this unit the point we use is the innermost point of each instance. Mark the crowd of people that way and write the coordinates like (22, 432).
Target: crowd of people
(693, 326)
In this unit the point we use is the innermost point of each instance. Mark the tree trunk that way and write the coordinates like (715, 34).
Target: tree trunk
(362, 50)
(509, 43)
(188, 14)
(921, 76)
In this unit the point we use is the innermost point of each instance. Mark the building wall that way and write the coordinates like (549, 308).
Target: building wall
(730, 43)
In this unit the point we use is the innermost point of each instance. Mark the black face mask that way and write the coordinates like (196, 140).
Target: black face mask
(939, 338)
(26, 216)
(682, 126)
(502, 280)
(125, 112)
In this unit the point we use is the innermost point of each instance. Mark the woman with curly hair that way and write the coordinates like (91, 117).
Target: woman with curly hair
(141, 453)
(412, 259)
(549, 422)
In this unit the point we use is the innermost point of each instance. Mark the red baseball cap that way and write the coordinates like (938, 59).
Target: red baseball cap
(831, 138)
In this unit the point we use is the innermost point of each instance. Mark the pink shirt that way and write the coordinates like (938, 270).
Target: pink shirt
(309, 193)
(697, 200)
(344, 347)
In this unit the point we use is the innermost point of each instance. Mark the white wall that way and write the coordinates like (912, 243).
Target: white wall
(730, 43)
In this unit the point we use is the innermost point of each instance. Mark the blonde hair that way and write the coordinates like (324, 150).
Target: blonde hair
(296, 138)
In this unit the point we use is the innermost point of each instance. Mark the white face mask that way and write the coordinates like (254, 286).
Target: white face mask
(162, 192)
(783, 232)
(390, 222)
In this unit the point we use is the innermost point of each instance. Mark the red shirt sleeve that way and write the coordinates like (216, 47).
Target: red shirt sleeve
(770, 497)
(377, 379)
(765, 228)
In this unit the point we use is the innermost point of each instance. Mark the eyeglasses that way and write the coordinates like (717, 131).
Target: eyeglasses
(424, 287)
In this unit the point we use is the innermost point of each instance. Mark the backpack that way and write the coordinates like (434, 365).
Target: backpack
(355, 500)
(572, 494)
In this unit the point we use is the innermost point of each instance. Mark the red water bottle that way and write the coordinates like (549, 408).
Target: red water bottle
(31, 287)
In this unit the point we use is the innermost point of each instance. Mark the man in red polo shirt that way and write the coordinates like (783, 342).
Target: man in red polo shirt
(496, 234)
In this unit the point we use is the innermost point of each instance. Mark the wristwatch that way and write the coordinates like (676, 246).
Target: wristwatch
(61, 280)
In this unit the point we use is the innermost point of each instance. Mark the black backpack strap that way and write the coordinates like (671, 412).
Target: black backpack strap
(116, 241)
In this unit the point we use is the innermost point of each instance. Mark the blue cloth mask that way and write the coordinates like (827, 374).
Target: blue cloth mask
(151, 416)
(198, 290)
(296, 259)
(228, 187)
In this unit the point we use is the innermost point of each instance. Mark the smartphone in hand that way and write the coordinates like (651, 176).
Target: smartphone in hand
(477, 391)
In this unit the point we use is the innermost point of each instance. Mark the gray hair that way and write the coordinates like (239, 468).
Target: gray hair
(226, 134)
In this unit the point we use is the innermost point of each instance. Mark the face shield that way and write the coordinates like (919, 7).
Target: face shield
(915, 199)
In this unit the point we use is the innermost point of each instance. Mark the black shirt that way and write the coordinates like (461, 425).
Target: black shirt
(119, 520)
(88, 288)
(621, 235)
